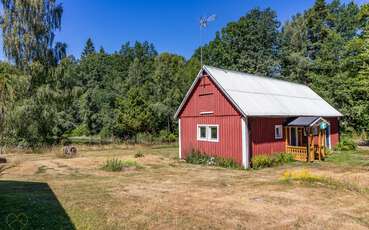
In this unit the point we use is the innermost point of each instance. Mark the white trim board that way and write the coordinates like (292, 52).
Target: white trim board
(179, 139)
(245, 143)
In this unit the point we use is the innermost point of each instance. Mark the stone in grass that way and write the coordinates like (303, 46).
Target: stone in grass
(69, 151)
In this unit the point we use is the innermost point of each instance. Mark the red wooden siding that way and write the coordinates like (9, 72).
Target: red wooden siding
(206, 97)
(334, 122)
(262, 136)
(230, 137)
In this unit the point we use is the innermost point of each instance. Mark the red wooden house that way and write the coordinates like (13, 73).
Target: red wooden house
(236, 115)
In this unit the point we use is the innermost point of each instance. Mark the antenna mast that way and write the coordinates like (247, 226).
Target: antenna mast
(204, 21)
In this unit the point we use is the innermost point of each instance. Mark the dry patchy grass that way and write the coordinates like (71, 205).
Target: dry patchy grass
(169, 194)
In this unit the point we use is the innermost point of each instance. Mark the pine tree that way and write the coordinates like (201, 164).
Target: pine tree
(89, 48)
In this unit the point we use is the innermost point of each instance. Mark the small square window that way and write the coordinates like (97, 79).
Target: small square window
(202, 132)
(214, 133)
(278, 132)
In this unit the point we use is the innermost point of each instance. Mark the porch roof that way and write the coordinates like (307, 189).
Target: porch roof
(306, 121)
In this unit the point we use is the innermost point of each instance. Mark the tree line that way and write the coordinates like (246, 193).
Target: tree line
(47, 94)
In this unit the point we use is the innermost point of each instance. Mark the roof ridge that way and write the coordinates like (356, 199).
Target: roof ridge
(254, 75)
(274, 94)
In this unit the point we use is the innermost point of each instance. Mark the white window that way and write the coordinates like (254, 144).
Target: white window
(213, 133)
(208, 133)
(202, 133)
(278, 132)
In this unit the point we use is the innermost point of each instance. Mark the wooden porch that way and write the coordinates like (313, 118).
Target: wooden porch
(307, 142)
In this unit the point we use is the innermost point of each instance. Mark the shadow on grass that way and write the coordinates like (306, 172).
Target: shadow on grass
(31, 205)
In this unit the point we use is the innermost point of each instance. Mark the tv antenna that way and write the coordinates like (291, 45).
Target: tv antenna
(204, 21)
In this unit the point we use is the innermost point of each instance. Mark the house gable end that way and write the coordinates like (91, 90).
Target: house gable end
(206, 98)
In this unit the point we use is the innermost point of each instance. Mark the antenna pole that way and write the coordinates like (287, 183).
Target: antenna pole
(201, 45)
(204, 21)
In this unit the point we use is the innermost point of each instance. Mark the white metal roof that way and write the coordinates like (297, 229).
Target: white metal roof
(264, 96)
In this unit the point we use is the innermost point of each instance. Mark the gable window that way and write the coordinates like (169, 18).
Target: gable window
(208, 133)
(278, 132)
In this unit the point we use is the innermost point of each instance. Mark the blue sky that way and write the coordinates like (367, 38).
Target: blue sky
(171, 25)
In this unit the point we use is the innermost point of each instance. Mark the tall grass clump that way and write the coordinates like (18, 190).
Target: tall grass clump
(113, 165)
(116, 165)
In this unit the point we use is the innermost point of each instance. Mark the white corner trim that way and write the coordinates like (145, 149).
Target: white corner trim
(179, 139)
(245, 141)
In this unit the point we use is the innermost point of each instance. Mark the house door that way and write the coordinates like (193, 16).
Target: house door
(294, 137)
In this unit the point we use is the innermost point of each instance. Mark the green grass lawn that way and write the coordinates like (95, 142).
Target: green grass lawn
(43, 191)
(350, 158)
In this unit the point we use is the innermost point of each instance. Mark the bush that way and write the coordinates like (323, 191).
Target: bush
(165, 136)
(113, 165)
(196, 157)
(264, 161)
(346, 144)
(81, 130)
(284, 158)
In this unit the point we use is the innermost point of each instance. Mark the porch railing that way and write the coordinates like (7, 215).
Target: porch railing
(299, 152)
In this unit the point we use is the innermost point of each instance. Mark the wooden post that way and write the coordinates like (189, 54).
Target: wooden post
(286, 137)
(319, 144)
(311, 151)
(324, 143)
(308, 145)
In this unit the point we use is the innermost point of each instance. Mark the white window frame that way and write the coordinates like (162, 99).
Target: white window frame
(275, 132)
(208, 132)
(199, 138)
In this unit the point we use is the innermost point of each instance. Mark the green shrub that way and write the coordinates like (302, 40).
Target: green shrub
(284, 158)
(113, 165)
(346, 144)
(262, 161)
(196, 157)
(167, 137)
(81, 130)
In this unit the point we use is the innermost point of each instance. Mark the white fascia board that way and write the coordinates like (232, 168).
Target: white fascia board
(245, 143)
